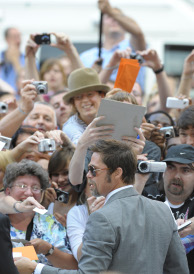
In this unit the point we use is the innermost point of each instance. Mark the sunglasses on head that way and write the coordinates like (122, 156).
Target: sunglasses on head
(93, 170)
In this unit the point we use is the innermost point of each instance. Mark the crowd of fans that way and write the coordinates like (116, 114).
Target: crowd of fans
(73, 177)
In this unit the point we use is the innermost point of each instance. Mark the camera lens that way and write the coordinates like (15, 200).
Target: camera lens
(143, 166)
(167, 134)
(61, 198)
(41, 89)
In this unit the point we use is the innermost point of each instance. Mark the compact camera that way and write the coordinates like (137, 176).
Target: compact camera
(41, 87)
(138, 57)
(7, 142)
(172, 102)
(3, 107)
(42, 39)
(146, 167)
(62, 196)
(46, 145)
(168, 132)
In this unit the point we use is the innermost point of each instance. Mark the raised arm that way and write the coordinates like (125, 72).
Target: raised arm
(187, 74)
(152, 61)
(127, 23)
(91, 134)
(12, 121)
(31, 71)
(65, 44)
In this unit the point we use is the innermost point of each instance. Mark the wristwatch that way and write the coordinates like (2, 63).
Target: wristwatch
(50, 252)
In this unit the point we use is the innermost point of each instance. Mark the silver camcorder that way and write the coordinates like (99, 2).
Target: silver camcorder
(41, 87)
(168, 132)
(173, 102)
(146, 167)
(46, 145)
(7, 142)
(3, 107)
(62, 196)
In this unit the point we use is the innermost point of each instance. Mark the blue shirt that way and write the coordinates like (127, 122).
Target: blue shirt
(7, 71)
(90, 56)
(74, 128)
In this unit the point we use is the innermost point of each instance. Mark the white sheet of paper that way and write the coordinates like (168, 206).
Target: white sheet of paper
(123, 116)
(2, 144)
(40, 211)
(17, 254)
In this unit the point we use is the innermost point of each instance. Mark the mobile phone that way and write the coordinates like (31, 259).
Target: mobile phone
(183, 226)
(42, 39)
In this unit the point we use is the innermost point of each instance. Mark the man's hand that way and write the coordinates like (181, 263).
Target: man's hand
(28, 95)
(147, 129)
(25, 265)
(63, 41)
(151, 58)
(137, 144)
(31, 47)
(188, 230)
(104, 6)
(28, 205)
(94, 133)
(40, 246)
(59, 136)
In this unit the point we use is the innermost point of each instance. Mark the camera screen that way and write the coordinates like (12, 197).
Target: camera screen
(42, 39)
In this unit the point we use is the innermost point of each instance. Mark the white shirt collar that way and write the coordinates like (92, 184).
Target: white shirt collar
(115, 191)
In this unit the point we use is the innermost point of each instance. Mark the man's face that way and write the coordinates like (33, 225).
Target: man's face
(14, 38)
(87, 105)
(111, 26)
(41, 117)
(187, 136)
(102, 183)
(62, 110)
(24, 187)
(178, 182)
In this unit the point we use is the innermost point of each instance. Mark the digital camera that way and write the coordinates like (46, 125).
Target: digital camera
(7, 142)
(46, 145)
(41, 87)
(168, 132)
(3, 107)
(42, 39)
(173, 102)
(138, 57)
(146, 167)
(62, 196)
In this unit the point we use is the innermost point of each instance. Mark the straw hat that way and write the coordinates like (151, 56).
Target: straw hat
(83, 80)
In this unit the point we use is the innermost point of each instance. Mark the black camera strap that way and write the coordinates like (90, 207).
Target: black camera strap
(29, 230)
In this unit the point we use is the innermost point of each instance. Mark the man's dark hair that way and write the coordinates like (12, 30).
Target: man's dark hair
(186, 118)
(117, 154)
(25, 167)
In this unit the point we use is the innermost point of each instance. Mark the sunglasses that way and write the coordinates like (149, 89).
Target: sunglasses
(93, 170)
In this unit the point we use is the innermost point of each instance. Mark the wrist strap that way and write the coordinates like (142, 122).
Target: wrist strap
(159, 70)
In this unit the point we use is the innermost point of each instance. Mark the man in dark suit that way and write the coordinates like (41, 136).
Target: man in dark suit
(7, 265)
(130, 233)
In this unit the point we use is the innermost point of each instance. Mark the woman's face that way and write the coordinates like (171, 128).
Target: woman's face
(54, 77)
(61, 178)
(87, 105)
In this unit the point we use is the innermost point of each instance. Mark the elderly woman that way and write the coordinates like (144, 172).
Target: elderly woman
(48, 237)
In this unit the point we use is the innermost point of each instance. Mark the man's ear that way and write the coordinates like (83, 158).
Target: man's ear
(102, 94)
(118, 173)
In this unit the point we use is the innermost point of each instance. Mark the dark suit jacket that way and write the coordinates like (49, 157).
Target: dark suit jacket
(130, 234)
(7, 265)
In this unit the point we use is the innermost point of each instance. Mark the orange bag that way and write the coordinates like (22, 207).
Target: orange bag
(127, 74)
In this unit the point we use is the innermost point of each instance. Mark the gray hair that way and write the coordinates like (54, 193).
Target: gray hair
(25, 167)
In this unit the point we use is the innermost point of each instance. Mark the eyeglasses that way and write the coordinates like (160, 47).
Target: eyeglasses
(93, 170)
(23, 187)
